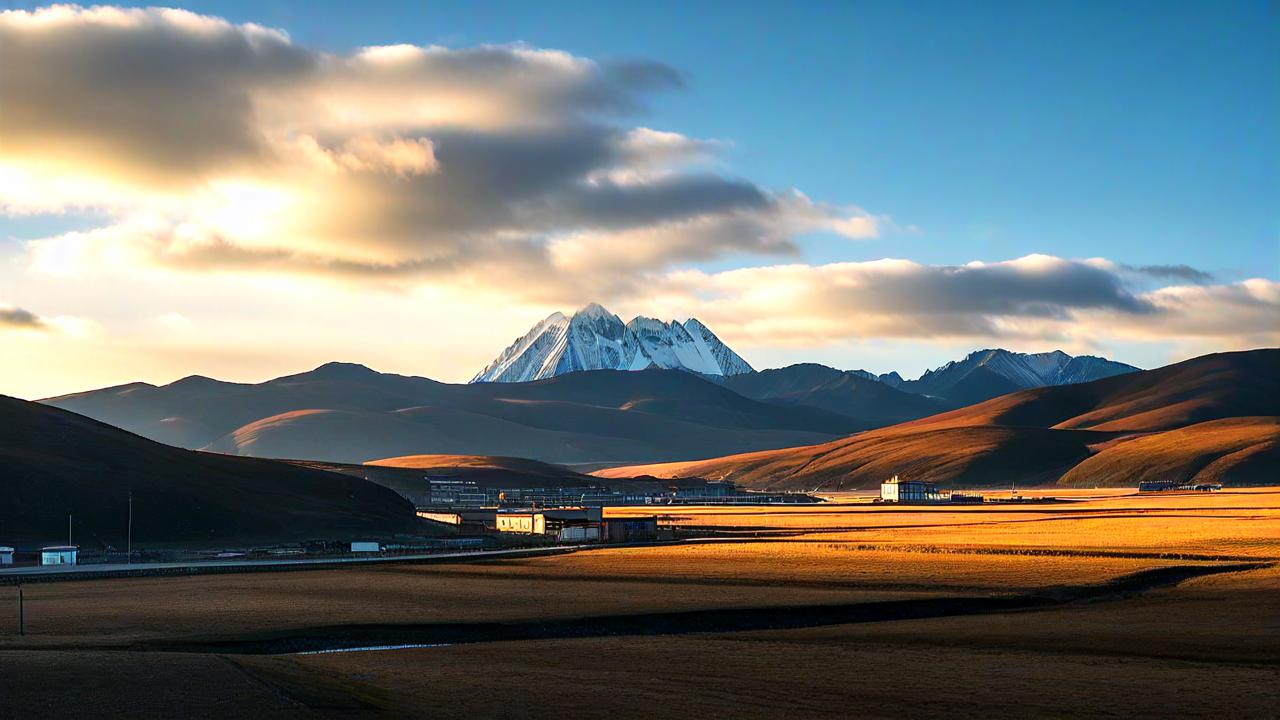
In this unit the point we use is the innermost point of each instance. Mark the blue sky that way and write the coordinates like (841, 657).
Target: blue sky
(1140, 132)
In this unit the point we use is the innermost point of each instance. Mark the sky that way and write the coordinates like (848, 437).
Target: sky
(250, 189)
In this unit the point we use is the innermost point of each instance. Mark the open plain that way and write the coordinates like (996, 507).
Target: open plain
(1141, 606)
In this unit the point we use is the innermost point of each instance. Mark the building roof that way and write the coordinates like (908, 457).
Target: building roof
(60, 548)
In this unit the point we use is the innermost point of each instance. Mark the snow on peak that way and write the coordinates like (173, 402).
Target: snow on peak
(1026, 370)
(596, 339)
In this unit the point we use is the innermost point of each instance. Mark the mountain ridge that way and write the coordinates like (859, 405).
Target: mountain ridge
(595, 339)
(1037, 436)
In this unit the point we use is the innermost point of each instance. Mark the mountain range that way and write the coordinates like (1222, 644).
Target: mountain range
(985, 374)
(1214, 418)
(596, 339)
(348, 413)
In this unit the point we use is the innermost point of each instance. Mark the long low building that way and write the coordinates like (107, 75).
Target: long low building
(566, 524)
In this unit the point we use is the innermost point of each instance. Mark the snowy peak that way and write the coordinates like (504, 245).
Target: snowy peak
(596, 339)
(998, 371)
(728, 361)
(529, 356)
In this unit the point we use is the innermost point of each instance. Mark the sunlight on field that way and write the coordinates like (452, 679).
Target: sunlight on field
(1234, 523)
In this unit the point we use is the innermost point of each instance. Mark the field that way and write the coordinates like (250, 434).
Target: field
(1115, 604)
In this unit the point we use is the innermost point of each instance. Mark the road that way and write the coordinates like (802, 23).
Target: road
(52, 572)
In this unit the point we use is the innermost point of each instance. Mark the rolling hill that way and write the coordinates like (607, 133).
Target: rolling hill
(870, 403)
(351, 414)
(1072, 434)
(54, 463)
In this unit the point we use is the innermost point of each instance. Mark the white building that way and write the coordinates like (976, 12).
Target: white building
(909, 491)
(59, 555)
(362, 547)
(565, 524)
(6, 555)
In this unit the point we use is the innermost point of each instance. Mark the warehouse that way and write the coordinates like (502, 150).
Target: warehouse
(631, 529)
(6, 555)
(565, 524)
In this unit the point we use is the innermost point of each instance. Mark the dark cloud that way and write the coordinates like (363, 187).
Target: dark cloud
(1034, 287)
(1172, 272)
(159, 94)
(15, 317)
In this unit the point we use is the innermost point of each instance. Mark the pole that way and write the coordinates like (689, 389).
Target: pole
(68, 529)
(22, 613)
(129, 542)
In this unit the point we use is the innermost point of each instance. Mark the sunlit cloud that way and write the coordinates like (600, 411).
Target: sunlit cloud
(1036, 297)
(397, 160)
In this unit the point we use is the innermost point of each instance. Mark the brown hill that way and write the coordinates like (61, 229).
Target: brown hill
(1032, 436)
(486, 467)
(350, 414)
(1235, 451)
(54, 463)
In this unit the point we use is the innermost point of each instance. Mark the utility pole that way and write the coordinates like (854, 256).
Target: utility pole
(129, 542)
(68, 529)
(22, 613)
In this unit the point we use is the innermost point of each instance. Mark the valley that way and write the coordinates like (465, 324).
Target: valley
(1047, 604)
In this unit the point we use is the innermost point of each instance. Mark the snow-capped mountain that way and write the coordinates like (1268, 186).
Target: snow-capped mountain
(987, 373)
(596, 339)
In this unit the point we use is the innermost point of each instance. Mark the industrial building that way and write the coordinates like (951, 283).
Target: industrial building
(457, 493)
(564, 524)
(1167, 485)
(6, 555)
(630, 529)
(482, 520)
(910, 491)
(59, 555)
(360, 546)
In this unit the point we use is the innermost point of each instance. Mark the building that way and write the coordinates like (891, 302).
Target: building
(465, 520)
(456, 493)
(365, 547)
(630, 529)
(1167, 485)
(909, 491)
(59, 555)
(564, 524)
(6, 555)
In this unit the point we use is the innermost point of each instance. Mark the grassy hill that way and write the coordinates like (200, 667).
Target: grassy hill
(351, 414)
(54, 463)
(1075, 434)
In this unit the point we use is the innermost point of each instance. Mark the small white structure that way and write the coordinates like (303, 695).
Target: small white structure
(365, 547)
(6, 555)
(59, 555)
(909, 491)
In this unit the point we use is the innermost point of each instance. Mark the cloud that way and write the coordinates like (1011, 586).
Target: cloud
(1035, 297)
(233, 145)
(1172, 272)
(17, 318)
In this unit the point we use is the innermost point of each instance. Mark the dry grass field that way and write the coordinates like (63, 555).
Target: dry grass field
(606, 632)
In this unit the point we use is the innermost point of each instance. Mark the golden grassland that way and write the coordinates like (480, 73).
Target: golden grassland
(1239, 522)
(1205, 647)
